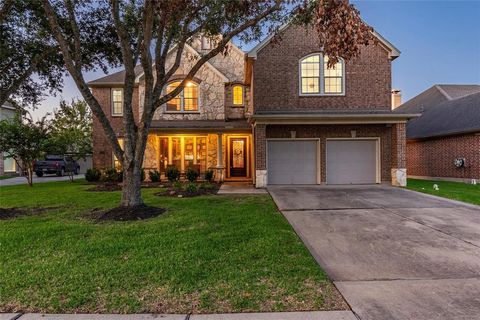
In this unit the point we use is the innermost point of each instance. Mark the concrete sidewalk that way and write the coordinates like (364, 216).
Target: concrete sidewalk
(313, 315)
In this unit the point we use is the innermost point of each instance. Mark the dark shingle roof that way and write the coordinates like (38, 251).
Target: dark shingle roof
(115, 78)
(455, 116)
(435, 95)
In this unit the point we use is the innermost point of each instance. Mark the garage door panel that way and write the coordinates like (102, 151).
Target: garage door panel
(292, 162)
(351, 161)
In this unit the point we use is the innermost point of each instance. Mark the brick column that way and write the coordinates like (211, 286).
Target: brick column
(260, 156)
(399, 151)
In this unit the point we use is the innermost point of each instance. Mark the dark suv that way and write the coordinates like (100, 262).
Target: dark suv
(56, 164)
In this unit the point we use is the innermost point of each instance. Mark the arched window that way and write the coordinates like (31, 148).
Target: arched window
(317, 79)
(186, 100)
(237, 95)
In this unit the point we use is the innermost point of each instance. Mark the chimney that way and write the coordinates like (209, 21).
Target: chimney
(396, 98)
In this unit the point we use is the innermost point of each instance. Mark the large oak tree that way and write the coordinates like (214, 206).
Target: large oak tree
(147, 31)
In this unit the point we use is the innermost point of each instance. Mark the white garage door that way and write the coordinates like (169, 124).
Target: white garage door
(292, 162)
(351, 161)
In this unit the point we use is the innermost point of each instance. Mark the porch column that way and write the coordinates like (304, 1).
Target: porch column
(260, 155)
(399, 150)
(220, 169)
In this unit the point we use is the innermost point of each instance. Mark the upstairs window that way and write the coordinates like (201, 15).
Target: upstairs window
(117, 102)
(206, 43)
(186, 100)
(237, 95)
(317, 79)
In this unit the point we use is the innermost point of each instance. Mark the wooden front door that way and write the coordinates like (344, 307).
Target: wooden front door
(238, 157)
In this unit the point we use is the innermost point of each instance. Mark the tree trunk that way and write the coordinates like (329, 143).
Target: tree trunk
(30, 176)
(131, 189)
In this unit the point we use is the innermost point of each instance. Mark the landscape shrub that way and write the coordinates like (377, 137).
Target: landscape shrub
(173, 174)
(191, 188)
(192, 174)
(209, 175)
(154, 175)
(93, 175)
(110, 176)
(177, 185)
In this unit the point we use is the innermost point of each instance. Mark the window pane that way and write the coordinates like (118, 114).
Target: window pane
(163, 158)
(310, 69)
(202, 153)
(310, 85)
(116, 163)
(189, 145)
(314, 58)
(238, 95)
(8, 164)
(177, 153)
(117, 101)
(175, 103)
(335, 71)
(333, 85)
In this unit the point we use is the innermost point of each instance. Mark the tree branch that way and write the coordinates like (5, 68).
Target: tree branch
(76, 73)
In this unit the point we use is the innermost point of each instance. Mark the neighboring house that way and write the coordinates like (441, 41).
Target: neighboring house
(306, 124)
(444, 143)
(7, 165)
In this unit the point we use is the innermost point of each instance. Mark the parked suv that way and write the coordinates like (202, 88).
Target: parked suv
(56, 164)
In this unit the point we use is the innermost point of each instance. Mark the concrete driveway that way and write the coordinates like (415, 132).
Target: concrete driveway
(392, 253)
(48, 178)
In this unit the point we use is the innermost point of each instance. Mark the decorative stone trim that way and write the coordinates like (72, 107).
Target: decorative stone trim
(399, 177)
(261, 179)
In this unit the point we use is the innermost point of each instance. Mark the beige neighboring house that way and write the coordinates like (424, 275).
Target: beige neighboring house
(7, 165)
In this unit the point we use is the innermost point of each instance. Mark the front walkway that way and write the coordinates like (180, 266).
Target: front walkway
(392, 253)
(239, 188)
(315, 315)
(47, 178)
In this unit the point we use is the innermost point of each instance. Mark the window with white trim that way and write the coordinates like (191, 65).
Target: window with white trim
(317, 79)
(117, 102)
(186, 100)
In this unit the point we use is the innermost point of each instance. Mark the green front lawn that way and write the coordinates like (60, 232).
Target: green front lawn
(452, 190)
(6, 177)
(205, 254)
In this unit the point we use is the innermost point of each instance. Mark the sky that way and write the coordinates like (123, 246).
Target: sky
(439, 41)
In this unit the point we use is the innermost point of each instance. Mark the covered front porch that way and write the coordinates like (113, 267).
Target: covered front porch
(226, 151)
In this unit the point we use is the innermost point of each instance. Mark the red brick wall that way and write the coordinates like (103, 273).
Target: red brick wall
(434, 157)
(335, 131)
(276, 76)
(260, 147)
(102, 150)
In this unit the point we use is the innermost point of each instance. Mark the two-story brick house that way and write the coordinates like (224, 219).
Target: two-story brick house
(205, 126)
(276, 115)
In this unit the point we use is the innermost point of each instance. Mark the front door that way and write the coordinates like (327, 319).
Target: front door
(238, 157)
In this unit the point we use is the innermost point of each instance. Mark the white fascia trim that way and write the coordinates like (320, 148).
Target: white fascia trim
(393, 51)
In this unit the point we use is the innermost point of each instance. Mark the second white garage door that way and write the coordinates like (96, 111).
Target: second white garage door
(351, 161)
(292, 162)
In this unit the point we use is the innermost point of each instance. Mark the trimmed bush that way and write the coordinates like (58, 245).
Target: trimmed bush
(110, 176)
(209, 175)
(173, 174)
(93, 175)
(192, 174)
(177, 185)
(191, 188)
(154, 175)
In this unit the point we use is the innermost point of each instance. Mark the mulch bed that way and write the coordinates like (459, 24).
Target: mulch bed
(118, 186)
(11, 213)
(127, 214)
(180, 193)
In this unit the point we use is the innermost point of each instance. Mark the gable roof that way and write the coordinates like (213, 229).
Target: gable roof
(393, 51)
(118, 78)
(446, 110)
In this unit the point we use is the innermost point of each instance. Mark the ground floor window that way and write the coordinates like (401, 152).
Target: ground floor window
(116, 163)
(9, 165)
(183, 152)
